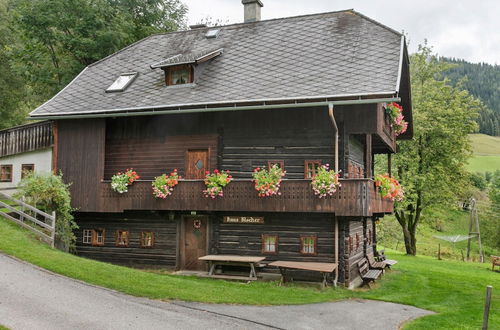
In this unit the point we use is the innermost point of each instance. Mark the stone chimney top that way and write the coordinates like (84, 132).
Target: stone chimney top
(252, 10)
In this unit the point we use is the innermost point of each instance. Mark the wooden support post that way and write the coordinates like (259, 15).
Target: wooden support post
(487, 305)
(53, 228)
(368, 156)
(439, 251)
(472, 205)
(389, 164)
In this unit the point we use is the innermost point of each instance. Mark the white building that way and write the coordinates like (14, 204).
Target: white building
(22, 149)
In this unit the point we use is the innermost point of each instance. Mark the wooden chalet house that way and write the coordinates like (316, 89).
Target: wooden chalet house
(234, 97)
(23, 149)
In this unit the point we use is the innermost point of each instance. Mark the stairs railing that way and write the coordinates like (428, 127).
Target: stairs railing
(29, 217)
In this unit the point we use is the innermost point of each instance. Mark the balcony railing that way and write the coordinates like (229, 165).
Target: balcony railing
(356, 197)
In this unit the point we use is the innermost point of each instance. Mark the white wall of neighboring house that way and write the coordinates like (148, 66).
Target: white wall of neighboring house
(41, 158)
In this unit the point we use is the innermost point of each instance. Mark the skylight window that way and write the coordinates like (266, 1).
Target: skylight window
(122, 82)
(212, 34)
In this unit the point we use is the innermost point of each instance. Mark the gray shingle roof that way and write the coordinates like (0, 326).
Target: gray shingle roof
(329, 54)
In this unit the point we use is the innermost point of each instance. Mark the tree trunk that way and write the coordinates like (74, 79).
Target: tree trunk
(409, 223)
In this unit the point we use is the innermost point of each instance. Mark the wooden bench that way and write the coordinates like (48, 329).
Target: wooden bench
(232, 260)
(495, 261)
(382, 257)
(322, 267)
(376, 264)
(367, 275)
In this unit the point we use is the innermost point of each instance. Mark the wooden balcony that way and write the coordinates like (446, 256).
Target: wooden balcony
(356, 197)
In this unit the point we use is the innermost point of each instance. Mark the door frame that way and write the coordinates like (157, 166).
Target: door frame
(186, 159)
(181, 247)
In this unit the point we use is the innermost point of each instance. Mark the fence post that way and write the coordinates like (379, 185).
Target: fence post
(487, 307)
(53, 228)
(23, 210)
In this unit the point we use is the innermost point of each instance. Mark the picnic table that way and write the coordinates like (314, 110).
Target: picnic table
(324, 268)
(232, 260)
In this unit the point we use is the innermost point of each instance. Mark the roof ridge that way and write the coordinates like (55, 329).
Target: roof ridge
(256, 22)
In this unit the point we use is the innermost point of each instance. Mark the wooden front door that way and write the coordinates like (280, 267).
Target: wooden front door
(197, 164)
(194, 243)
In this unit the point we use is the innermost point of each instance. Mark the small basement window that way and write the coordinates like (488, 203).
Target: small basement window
(87, 236)
(269, 244)
(147, 239)
(122, 237)
(311, 168)
(308, 245)
(179, 75)
(5, 173)
(26, 169)
(98, 237)
(122, 82)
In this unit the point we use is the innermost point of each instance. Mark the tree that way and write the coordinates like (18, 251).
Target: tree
(61, 37)
(12, 89)
(431, 165)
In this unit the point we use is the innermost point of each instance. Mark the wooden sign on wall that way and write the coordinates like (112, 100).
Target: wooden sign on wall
(234, 219)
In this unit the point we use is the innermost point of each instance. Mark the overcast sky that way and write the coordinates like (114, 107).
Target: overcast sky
(468, 29)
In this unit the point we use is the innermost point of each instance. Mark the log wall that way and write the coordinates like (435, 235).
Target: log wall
(246, 239)
(163, 253)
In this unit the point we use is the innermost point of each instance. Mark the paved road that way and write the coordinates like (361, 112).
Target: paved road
(31, 298)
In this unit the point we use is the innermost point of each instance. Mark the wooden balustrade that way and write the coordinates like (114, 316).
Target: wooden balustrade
(25, 138)
(356, 197)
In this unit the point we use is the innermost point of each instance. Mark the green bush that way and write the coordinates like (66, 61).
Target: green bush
(478, 180)
(49, 193)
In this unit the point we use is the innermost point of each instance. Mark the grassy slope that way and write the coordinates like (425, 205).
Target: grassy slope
(451, 222)
(486, 153)
(453, 289)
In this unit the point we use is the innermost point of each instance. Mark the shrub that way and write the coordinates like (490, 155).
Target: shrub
(49, 193)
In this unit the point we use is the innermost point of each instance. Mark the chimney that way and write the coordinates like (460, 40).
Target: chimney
(252, 10)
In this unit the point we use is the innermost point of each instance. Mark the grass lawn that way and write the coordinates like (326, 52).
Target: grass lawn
(483, 144)
(3, 328)
(483, 163)
(454, 290)
(486, 153)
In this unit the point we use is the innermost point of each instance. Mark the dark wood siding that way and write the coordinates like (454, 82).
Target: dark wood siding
(246, 239)
(238, 141)
(292, 136)
(80, 158)
(155, 156)
(163, 253)
(354, 242)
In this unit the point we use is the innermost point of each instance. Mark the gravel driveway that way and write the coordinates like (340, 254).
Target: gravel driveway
(32, 298)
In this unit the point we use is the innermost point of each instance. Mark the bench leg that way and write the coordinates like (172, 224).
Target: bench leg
(324, 282)
(212, 268)
(253, 274)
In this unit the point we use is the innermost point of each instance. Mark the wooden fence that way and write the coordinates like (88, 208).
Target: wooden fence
(29, 217)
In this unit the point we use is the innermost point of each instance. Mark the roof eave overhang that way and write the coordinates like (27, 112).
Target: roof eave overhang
(300, 102)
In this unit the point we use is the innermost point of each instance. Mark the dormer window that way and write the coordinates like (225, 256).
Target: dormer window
(179, 69)
(179, 75)
(122, 82)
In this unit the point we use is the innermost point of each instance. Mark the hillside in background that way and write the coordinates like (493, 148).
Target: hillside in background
(483, 81)
(486, 151)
